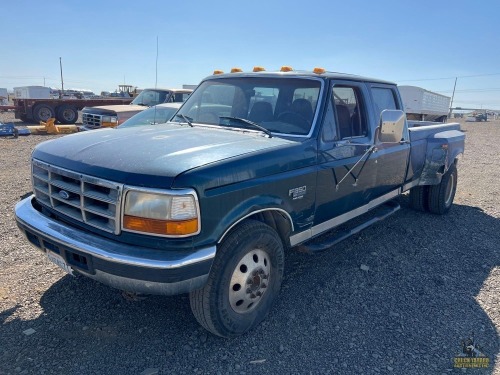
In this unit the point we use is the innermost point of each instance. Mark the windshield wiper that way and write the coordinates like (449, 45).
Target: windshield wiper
(248, 122)
(185, 118)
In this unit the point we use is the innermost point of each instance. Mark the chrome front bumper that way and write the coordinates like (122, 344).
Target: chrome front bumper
(123, 266)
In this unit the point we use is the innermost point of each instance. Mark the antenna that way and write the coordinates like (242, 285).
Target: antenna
(156, 76)
(156, 67)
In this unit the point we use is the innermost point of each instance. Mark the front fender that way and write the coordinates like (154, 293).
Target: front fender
(251, 207)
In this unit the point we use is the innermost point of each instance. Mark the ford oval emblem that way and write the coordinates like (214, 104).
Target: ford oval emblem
(63, 194)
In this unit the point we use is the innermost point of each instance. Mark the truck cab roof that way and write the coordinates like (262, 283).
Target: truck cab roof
(300, 73)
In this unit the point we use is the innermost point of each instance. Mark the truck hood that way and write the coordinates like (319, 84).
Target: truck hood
(150, 156)
(114, 109)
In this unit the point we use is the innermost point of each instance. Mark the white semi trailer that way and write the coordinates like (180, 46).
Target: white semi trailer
(424, 105)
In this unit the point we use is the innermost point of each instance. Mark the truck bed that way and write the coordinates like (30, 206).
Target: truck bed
(433, 146)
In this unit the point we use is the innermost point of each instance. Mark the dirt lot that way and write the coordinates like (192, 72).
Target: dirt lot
(432, 281)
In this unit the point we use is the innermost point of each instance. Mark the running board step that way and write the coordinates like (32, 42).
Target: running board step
(326, 241)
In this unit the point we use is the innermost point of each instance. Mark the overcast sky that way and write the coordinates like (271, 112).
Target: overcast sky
(106, 43)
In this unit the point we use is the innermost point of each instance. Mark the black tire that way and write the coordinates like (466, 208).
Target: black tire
(441, 195)
(67, 114)
(42, 112)
(419, 198)
(244, 281)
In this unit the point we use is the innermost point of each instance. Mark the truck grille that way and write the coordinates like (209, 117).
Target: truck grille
(91, 121)
(90, 200)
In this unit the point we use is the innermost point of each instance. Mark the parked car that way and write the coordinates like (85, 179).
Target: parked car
(158, 114)
(255, 164)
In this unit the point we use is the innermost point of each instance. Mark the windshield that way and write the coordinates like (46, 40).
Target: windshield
(150, 98)
(281, 105)
(151, 116)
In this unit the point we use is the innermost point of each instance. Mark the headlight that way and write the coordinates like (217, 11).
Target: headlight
(112, 119)
(173, 215)
(109, 121)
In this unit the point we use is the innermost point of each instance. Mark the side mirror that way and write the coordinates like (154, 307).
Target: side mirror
(392, 126)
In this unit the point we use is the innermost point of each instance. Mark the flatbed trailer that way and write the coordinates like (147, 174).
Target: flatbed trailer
(65, 111)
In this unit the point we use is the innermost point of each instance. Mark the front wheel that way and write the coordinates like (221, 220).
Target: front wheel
(244, 281)
(441, 196)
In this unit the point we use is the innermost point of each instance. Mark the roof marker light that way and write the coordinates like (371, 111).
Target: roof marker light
(258, 69)
(236, 70)
(285, 68)
(218, 72)
(319, 70)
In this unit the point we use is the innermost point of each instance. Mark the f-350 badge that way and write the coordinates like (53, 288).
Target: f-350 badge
(298, 192)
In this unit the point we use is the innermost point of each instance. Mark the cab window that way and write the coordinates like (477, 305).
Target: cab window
(349, 110)
(383, 98)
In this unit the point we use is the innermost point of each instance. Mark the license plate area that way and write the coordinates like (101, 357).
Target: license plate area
(59, 261)
(68, 259)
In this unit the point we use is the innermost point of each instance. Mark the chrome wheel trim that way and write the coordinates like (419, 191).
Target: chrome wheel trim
(249, 281)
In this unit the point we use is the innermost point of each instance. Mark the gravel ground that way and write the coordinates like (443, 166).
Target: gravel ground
(397, 298)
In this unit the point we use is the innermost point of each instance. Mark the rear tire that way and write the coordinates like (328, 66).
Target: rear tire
(419, 198)
(441, 196)
(244, 281)
(42, 112)
(67, 114)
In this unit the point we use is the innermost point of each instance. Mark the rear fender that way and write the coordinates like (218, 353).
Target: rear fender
(442, 150)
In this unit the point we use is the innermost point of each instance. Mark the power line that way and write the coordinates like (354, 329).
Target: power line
(438, 79)
(470, 90)
(27, 77)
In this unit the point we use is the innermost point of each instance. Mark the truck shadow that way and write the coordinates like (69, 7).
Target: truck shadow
(408, 313)
(420, 297)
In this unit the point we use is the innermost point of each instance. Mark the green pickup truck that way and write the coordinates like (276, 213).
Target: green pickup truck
(252, 166)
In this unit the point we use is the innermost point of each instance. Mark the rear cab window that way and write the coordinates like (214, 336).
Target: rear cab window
(384, 98)
(179, 97)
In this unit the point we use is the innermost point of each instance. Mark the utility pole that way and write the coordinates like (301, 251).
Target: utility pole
(62, 82)
(452, 96)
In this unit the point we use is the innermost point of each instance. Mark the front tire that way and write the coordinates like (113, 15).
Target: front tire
(441, 196)
(244, 281)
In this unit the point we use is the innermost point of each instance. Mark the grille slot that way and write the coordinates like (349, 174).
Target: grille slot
(91, 121)
(90, 200)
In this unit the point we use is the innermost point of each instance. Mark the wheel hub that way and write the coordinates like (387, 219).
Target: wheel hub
(249, 281)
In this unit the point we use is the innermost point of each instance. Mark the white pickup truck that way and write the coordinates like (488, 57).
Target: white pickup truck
(110, 116)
